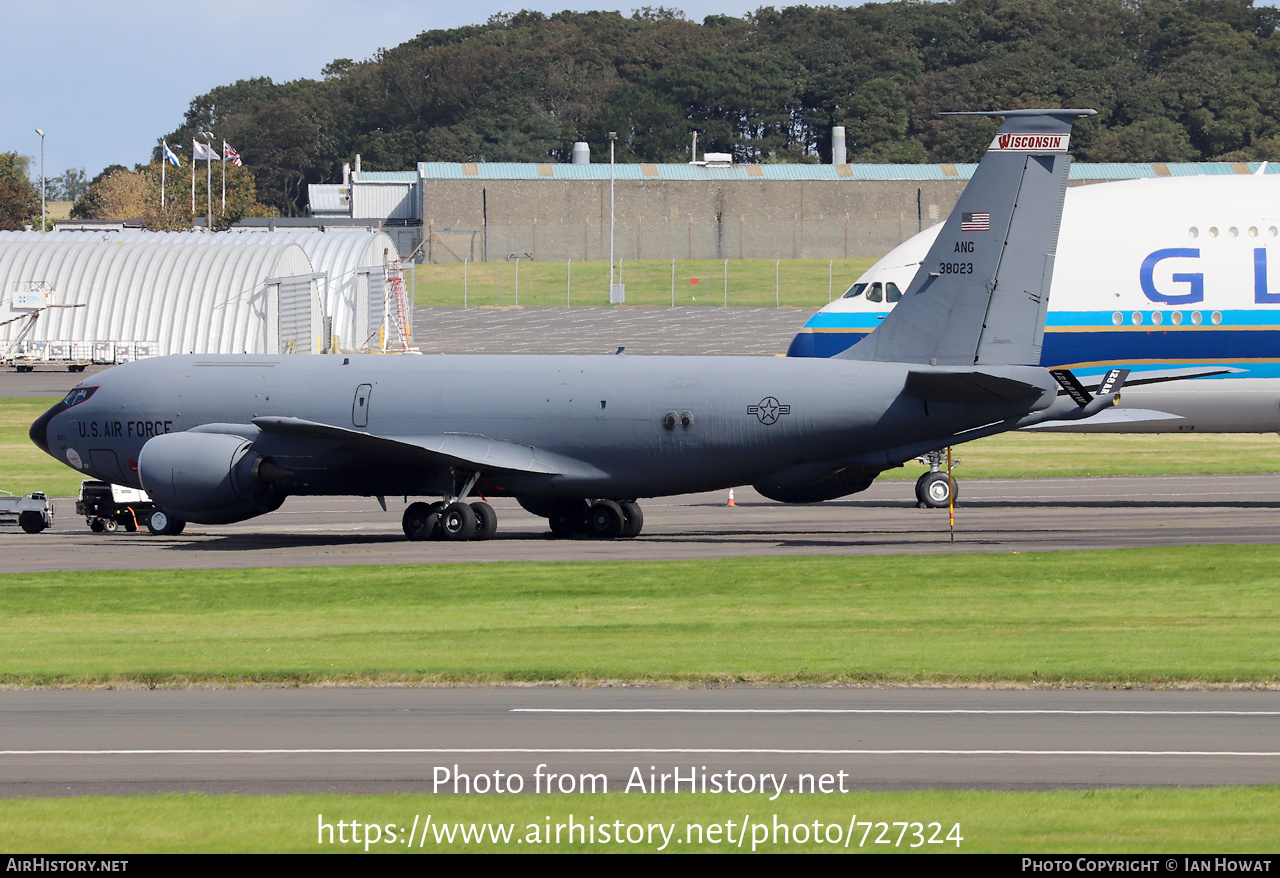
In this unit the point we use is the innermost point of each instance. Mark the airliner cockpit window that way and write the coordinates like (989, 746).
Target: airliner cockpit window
(876, 293)
(78, 395)
(854, 291)
(891, 292)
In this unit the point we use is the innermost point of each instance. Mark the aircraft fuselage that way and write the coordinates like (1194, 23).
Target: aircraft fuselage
(617, 426)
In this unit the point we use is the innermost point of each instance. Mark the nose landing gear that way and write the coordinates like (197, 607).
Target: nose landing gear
(935, 489)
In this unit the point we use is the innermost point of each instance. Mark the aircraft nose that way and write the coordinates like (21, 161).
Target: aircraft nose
(40, 429)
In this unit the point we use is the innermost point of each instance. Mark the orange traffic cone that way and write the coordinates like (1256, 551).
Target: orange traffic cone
(731, 503)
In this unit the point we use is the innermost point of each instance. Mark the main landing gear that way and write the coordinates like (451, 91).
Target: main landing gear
(601, 520)
(454, 521)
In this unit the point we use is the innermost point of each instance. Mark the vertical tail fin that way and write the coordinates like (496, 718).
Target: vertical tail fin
(981, 294)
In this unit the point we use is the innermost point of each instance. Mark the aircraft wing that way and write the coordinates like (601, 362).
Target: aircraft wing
(448, 449)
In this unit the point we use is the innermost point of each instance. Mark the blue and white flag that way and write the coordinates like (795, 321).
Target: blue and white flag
(170, 156)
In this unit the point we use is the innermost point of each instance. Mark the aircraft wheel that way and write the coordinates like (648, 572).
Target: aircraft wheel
(96, 525)
(634, 519)
(157, 522)
(162, 523)
(935, 490)
(109, 525)
(415, 521)
(458, 522)
(486, 520)
(606, 520)
(31, 522)
(568, 518)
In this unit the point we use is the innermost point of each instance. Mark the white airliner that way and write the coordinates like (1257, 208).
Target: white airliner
(1168, 277)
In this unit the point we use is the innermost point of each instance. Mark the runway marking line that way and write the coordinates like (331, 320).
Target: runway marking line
(893, 711)
(569, 751)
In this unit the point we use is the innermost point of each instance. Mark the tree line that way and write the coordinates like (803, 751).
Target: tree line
(1173, 80)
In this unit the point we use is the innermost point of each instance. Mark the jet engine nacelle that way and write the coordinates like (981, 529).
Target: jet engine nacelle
(809, 490)
(209, 478)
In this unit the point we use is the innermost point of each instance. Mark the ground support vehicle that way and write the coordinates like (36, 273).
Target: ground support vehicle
(33, 513)
(107, 508)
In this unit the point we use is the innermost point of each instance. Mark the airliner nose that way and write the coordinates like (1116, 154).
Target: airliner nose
(40, 429)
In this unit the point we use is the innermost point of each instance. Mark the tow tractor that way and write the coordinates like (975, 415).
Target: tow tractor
(33, 513)
(107, 508)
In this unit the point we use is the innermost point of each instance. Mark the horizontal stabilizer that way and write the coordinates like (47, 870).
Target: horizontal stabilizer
(966, 388)
(1110, 416)
(1160, 376)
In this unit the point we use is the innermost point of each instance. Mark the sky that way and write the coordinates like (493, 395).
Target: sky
(105, 81)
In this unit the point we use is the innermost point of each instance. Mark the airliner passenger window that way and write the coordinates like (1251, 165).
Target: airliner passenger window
(876, 293)
(891, 292)
(854, 291)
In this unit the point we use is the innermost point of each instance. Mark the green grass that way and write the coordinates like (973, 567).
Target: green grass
(1050, 455)
(1198, 821)
(1152, 616)
(754, 282)
(25, 468)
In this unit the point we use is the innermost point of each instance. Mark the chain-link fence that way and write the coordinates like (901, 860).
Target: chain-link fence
(649, 282)
(851, 236)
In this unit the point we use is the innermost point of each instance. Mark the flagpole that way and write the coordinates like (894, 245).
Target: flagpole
(164, 160)
(194, 162)
(208, 170)
(224, 178)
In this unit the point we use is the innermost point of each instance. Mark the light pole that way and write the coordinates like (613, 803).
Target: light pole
(42, 212)
(613, 135)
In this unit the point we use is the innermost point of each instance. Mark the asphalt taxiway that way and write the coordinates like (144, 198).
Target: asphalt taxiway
(422, 740)
(995, 515)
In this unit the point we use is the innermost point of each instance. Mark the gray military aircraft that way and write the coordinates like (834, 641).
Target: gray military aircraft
(217, 439)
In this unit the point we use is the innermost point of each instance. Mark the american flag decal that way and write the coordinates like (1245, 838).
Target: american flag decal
(975, 222)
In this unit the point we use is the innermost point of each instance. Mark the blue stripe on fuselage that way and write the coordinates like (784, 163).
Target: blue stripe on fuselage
(1248, 340)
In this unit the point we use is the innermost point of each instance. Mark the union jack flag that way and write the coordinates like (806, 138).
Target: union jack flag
(975, 222)
(231, 155)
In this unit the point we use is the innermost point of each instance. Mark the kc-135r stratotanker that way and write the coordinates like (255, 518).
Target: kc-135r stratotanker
(217, 439)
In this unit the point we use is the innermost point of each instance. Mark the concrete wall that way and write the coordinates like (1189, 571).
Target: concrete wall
(554, 220)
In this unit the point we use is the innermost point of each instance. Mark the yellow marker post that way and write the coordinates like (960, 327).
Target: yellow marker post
(951, 496)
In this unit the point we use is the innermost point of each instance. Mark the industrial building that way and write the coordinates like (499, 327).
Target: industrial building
(710, 209)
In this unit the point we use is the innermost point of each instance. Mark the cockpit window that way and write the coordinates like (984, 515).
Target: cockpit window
(78, 395)
(876, 293)
(854, 291)
(891, 292)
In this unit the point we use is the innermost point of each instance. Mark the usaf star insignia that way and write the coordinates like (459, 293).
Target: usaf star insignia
(769, 410)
